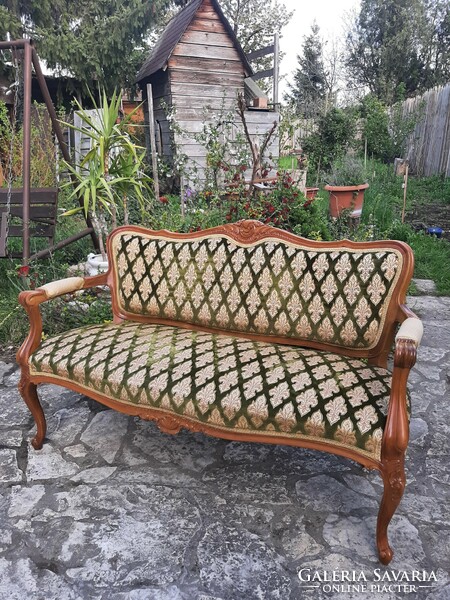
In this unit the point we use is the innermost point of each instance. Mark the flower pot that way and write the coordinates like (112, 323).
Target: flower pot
(95, 264)
(346, 197)
(311, 193)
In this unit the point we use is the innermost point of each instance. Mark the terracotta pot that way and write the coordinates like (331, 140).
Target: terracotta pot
(311, 193)
(346, 197)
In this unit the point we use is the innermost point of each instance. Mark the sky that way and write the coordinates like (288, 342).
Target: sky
(329, 14)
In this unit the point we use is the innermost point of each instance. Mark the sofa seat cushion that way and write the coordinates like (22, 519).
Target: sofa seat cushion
(226, 382)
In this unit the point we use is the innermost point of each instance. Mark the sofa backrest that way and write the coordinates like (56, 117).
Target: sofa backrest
(277, 284)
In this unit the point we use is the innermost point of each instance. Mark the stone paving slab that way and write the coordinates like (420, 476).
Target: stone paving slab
(113, 509)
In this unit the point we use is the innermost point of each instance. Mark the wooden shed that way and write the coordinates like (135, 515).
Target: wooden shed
(197, 68)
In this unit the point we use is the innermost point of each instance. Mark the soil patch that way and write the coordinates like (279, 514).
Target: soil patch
(423, 216)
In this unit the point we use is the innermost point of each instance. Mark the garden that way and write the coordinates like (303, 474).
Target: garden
(348, 147)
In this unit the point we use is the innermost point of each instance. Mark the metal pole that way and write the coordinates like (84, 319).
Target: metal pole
(151, 122)
(26, 152)
(58, 132)
(276, 68)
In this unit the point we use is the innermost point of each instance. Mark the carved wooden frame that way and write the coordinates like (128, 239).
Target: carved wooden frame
(396, 433)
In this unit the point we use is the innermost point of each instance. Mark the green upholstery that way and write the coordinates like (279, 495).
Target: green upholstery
(334, 295)
(226, 381)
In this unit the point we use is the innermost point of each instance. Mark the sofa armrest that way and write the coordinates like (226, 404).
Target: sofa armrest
(62, 286)
(410, 329)
(54, 289)
(30, 300)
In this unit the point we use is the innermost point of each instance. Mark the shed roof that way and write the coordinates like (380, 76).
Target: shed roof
(174, 32)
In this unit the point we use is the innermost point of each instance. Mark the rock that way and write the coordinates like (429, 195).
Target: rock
(297, 543)
(170, 593)
(5, 369)
(94, 475)
(24, 499)
(48, 464)
(105, 433)
(13, 410)
(235, 563)
(76, 451)
(12, 438)
(194, 452)
(20, 579)
(12, 379)
(425, 287)
(325, 494)
(245, 485)
(9, 469)
(362, 485)
(5, 539)
(67, 424)
(142, 542)
(418, 429)
(350, 533)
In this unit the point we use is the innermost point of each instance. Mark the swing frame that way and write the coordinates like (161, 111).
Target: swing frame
(30, 60)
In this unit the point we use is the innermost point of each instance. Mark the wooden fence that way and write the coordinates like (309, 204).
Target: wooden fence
(428, 148)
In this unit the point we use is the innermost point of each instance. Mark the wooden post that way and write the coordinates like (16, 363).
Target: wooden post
(26, 165)
(276, 68)
(405, 187)
(151, 122)
(183, 209)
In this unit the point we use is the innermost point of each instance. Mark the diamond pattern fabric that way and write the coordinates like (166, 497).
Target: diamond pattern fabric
(226, 381)
(336, 296)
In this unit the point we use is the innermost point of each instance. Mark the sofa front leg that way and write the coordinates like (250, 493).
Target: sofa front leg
(394, 479)
(28, 391)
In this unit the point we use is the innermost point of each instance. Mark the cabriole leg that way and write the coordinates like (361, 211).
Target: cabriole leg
(28, 392)
(394, 480)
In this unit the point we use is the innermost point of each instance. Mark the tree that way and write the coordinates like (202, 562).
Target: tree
(399, 47)
(255, 22)
(309, 89)
(94, 40)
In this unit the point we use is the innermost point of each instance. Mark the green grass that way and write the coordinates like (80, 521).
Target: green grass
(432, 259)
(287, 162)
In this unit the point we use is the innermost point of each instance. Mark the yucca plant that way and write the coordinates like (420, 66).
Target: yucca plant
(111, 170)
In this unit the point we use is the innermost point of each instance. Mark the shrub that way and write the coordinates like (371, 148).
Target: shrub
(348, 170)
(334, 135)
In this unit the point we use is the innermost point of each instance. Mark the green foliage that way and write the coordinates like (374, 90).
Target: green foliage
(42, 148)
(398, 47)
(307, 93)
(94, 41)
(112, 170)
(348, 170)
(432, 260)
(375, 128)
(254, 22)
(334, 135)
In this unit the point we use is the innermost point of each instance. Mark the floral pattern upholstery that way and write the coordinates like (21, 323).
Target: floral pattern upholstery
(226, 381)
(337, 296)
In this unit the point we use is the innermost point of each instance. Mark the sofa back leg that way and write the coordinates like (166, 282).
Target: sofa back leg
(394, 479)
(28, 392)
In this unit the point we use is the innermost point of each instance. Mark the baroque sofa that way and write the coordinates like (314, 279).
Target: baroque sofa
(250, 333)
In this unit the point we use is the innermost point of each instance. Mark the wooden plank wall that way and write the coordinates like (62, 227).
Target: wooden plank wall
(161, 99)
(428, 149)
(206, 74)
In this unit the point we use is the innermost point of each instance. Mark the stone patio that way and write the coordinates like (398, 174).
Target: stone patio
(113, 509)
